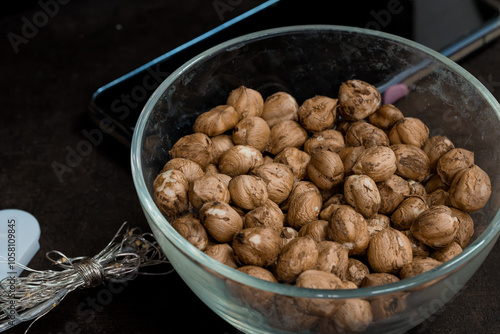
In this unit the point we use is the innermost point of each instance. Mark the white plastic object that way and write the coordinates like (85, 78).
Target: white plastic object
(19, 234)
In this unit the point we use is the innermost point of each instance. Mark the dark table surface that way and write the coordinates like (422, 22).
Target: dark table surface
(47, 79)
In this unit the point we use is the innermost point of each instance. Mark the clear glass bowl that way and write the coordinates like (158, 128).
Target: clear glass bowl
(307, 61)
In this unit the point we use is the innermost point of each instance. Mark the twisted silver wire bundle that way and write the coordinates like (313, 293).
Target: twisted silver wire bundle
(31, 297)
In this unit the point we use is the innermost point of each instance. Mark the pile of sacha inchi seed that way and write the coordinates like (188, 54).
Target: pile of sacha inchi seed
(335, 193)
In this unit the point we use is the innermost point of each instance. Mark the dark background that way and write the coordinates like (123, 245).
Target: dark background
(45, 90)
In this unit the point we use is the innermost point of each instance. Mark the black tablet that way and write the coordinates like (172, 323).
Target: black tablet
(454, 28)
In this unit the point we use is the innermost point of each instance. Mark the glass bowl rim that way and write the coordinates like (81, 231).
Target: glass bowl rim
(488, 235)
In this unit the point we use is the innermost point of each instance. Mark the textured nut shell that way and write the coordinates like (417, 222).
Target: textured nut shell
(286, 134)
(327, 211)
(378, 162)
(377, 223)
(392, 192)
(447, 253)
(411, 162)
(389, 251)
(435, 147)
(299, 255)
(258, 272)
(292, 318)
(221, 144)
(361, 192)
(389, 306)
(409, 130)
(189, 168)
(436, 227)
(326, 194)
(435, 183)
(303, 208)
(221, 221)
(337, 198)
(252, 131)
(268, 215)
(315, 279)
(418, 266)
(417, 189)
(361, 133)
(253, 298)
(287, 235)
(453, 162)
(358, 99)
(356, 271)
(316, 229)
(256, 246)
(280, 107)
(171, 192)
(417, 246)
(377, 279)
(191, 229)
(331, 140)
(325, 169)
(402, 218)
(222, 177)
(353, 316)
(207, 188)
(318, 113)
(438, 197)
(348, 227)
(212, 169)
(298, 188)
(240, 159)
(385, 116)
(197, 147)
(246, 101)
(296, 159)
(470, 189)
(332, 258)
(216, 121)
(279, 179)
(222, 253)
(248, 191)
(465, 227)
(349, 156)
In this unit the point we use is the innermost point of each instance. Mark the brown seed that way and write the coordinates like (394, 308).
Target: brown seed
(453, 162)
(358, 100)
(220, 220)
(470, 189)
(197, 147)
(418, 266)
(409, 130)
(246, 101)
(256, 246)
(325, 169)
(216, 121)
(318, 113)
(191, 229)
(377, 162)
(389, 251)
(385, 116)
(348, 227)
(299, 255)
(207, 188)
(411, 162)
(248, 191)
(286, 134)
(361, 192)
(436, 227)
(252, 131)
(280, 107)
